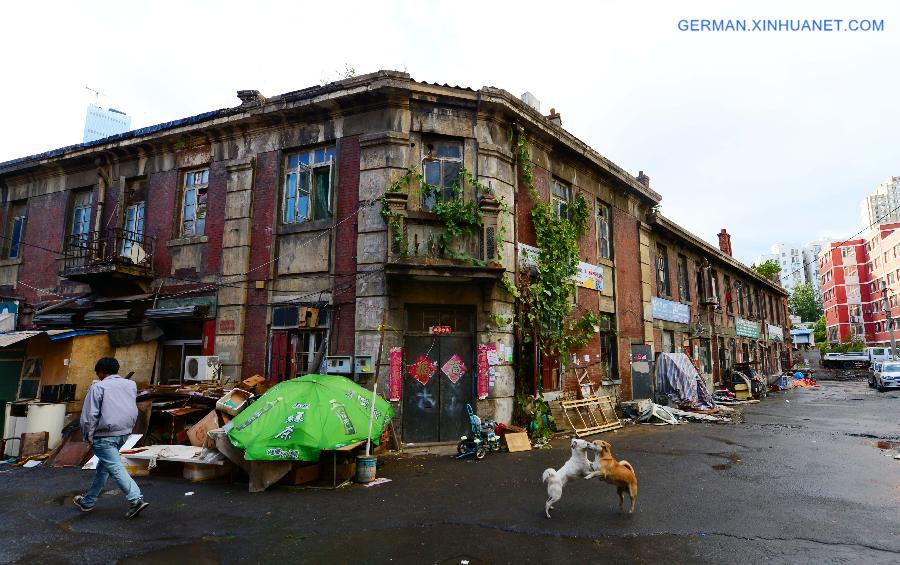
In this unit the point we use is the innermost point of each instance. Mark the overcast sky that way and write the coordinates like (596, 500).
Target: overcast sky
(774, 136)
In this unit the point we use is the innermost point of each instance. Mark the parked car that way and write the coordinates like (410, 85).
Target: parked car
(872, 370)
(888, 376)
(859, 359)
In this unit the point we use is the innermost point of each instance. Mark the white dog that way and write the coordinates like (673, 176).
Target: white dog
(577, 467)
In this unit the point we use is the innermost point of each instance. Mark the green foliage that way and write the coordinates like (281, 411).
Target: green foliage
(847, 345)
(819, 330)
(768, 269)
(460, 218)
(537, 413)
(546, 299)
(806, 303)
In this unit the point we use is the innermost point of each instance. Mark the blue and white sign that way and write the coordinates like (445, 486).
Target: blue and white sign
(670, 310)
(746, 328)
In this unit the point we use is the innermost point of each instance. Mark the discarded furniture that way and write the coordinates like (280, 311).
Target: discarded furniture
(592, 415)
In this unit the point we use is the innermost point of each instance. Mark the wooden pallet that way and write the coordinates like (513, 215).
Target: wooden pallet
(592, 415)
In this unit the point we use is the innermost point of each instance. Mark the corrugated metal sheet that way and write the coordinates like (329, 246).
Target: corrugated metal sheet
(10, 338)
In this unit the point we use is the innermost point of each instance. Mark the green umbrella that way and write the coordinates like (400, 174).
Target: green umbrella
(297, 419)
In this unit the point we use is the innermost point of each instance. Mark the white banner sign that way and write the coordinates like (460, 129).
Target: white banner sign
(587, 276)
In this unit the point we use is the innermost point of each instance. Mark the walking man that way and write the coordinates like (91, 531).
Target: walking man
(107, 418)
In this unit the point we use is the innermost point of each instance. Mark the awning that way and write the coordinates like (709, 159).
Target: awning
(11, 338)
(108, 316)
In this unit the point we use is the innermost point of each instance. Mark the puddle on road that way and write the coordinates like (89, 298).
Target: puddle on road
(733, 459)
(197, 553)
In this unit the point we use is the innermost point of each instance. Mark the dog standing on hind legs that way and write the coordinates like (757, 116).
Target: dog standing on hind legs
(578, 466)
(618, 473)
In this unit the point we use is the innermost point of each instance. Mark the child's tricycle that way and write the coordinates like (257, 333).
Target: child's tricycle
(480, 439)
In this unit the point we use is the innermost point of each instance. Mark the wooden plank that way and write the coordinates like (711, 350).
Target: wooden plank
(517, 442)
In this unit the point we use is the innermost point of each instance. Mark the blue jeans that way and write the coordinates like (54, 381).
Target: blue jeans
(107, 451)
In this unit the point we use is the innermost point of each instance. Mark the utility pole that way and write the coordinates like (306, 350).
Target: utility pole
(890, 320)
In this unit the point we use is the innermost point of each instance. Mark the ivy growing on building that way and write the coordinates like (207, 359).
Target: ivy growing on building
(547, 307)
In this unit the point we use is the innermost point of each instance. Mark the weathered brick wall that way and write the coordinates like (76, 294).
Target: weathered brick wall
(215, 217)
(46, 228)
(261, 241)
(343, 330)
(629, 306)
(160, 217)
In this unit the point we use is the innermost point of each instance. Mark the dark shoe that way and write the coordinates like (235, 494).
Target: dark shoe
(79, 502)
(136, 508)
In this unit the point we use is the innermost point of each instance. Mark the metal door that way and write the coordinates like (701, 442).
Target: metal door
(10, 370)
(641, 375)
(436, 410)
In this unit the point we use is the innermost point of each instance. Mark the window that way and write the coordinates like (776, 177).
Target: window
(307, 344)
(740, 295)
(668, 341)
(705, 357)
(749, 303)
(16, 230)
(604, 239)
(308, 179)
(890, 278)
(701, 285)
(134, 229)
(193, 203)
(850, 271)
(684, 290)
(729, 297)
(560, 198)
(81, 217)
(662, 272)
(441, 165)
(608, 347)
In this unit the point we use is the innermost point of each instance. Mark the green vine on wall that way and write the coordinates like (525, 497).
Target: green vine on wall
(460, 217)
(546, 299)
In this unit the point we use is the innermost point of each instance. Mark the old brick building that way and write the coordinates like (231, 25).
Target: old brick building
(256, 234)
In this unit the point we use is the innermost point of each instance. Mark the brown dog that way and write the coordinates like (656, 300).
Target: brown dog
(618, 473)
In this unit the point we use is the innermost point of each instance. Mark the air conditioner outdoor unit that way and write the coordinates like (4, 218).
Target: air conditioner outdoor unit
(201, 367)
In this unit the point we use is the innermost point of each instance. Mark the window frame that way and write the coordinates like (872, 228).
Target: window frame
(18, 214)
(684, 280)
(308, 161)
(604, 230)
(663, 278)
(199, 189)
(560, 203)
(441, 192)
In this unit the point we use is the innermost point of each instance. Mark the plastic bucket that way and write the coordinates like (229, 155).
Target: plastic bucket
(365, 468)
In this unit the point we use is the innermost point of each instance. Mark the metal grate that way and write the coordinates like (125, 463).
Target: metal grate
(490, 243)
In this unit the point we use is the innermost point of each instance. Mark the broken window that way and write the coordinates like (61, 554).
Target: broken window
(705, 357)
(560, 199)
(307, 344)
(16, 230)
(729, 297)
(133, 234)
(308, 181)
(604, 234)
(441, 165)
(668, 341)
(608, 347)
(684, 290)
(194, 202)
(662, 271)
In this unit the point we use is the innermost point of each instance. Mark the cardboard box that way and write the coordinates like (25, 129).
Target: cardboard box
(250, 384)
(302, 473)
(197, 433)
(198, 473)
(517, 442)
(234, 401)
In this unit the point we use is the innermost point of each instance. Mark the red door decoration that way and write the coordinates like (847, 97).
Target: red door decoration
(454, 368)
(422, 370)
(395, 360)
(484, 371)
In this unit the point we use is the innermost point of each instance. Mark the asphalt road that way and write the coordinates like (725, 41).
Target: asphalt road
(799, 479)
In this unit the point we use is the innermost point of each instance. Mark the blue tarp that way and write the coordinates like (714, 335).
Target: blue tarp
(677, 378)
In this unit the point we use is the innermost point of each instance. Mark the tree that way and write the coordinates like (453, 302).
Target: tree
(768, 269)
(819, 330)
(806, 303)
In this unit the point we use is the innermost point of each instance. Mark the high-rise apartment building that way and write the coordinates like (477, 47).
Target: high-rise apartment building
(882, 206)
(799, 264)
(100, 123)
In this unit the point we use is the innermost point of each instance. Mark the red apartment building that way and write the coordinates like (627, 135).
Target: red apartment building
(856, 276)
